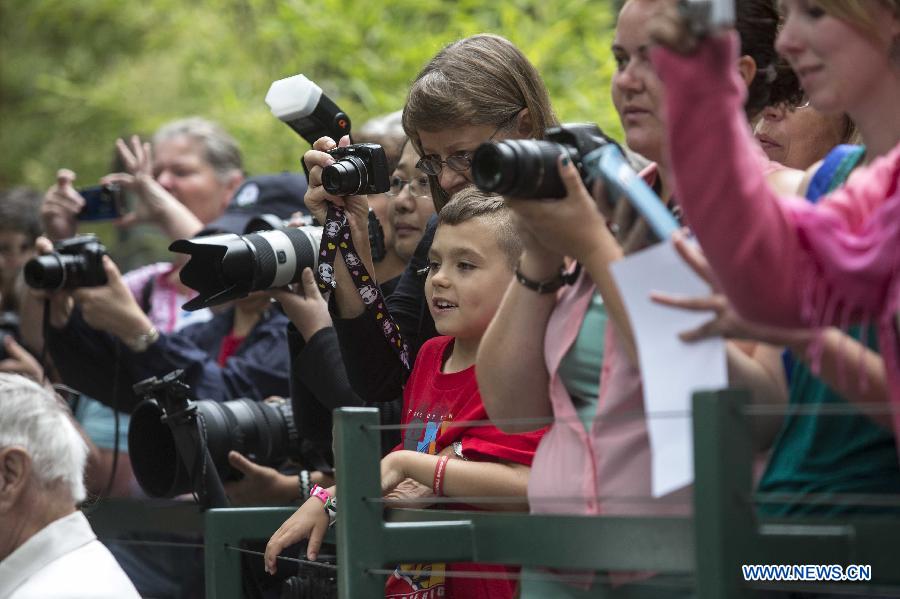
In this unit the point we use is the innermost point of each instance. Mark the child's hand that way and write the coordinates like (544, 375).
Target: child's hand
(409, 494)
(392, 471)
(308, 311)
(309, 521)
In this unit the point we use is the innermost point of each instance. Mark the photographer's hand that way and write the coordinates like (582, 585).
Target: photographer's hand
(154, 203)
(571, 226)
(309, 521)
(306, 308)
(261, 485)
(112, 307)
(316, 198)
(61, 205)
(20, 361)
(574, 226)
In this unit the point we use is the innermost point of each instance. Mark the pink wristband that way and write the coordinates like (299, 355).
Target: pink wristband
(439, 469)
(320, 493)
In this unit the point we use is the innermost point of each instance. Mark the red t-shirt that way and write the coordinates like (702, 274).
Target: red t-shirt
(229, 345)
(431, 400)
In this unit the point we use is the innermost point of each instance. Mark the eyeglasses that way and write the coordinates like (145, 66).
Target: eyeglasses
(460, 162)
(418, 187)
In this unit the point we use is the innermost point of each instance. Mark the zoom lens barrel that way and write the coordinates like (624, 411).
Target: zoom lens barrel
(262, 431)
(347, 176)
(229, 266)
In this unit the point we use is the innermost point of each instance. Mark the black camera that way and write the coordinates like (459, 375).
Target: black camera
(229, 266)
(9, 327)
(526, 168)
(311, 583)
(77, 262)
(360, 169)
(102, 202)
(262, 431)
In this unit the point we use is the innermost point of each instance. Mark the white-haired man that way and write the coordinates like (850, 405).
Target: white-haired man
(47, 547)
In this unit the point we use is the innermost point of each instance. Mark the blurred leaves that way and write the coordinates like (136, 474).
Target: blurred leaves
(76, 74)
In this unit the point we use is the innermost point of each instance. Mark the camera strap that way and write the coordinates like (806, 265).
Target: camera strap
(336, 236)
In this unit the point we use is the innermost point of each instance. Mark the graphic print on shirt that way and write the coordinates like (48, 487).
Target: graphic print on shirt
(421, 581)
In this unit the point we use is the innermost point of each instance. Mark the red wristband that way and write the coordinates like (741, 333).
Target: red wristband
(439, 469)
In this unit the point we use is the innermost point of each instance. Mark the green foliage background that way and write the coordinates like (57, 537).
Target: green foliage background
(76, 74)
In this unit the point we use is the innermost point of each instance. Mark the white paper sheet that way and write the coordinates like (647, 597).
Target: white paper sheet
(672, 370)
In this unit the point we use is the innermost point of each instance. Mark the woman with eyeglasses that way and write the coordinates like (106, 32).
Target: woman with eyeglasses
(478, 89)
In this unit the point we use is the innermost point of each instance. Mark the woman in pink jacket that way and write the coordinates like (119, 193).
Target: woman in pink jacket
(782, 261)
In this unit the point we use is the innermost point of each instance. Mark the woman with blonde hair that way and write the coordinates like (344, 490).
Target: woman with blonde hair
(791, 263)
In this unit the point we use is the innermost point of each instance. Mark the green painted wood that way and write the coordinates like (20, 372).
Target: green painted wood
(229, 527)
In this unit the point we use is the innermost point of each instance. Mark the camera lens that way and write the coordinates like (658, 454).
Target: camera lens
(519, 168)
(229, 266)
(345, 177)
(45, 272)
(262, 431)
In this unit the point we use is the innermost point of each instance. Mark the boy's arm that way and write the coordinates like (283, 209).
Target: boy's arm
(461, 478)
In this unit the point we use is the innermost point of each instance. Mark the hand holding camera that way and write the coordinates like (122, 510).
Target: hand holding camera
(339, 168)
(307, 308)
(112, 307)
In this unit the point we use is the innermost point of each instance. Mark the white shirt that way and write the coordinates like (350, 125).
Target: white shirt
(64, 560)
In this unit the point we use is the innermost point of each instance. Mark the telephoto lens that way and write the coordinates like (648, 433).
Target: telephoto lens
(527, 168)
(77, 262)
(262, 431)
(229, 266)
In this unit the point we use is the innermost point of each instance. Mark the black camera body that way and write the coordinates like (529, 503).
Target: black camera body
(359, 169)
(77, 262)
(527, 168)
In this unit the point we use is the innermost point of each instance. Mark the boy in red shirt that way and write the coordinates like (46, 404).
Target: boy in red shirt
(472, 260)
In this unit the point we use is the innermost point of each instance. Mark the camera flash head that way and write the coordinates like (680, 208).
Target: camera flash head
(303, 106)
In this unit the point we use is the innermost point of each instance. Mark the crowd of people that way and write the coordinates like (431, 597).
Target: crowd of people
(776, 146)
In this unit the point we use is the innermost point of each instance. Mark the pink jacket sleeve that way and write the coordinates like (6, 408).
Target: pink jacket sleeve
(770, 254)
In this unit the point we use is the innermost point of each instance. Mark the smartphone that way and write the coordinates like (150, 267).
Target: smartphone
(102, 202)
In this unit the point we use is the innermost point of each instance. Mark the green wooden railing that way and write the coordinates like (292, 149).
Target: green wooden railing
(708, 549)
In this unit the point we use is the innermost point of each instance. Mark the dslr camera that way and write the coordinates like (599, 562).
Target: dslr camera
(359, 169)
(526, 168)
(77, 262)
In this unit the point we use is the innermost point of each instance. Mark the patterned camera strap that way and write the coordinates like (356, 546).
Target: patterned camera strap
(336, 236)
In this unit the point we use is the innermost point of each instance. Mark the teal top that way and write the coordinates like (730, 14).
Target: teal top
(99, 423)
(825, 454)
(580, 367)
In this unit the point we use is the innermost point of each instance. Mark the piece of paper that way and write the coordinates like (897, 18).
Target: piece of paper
(671, 370)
